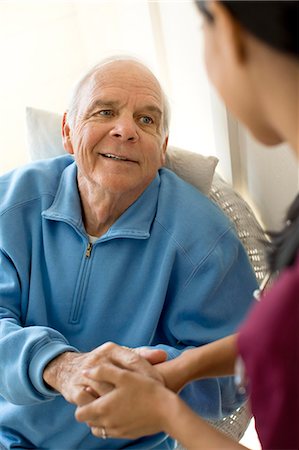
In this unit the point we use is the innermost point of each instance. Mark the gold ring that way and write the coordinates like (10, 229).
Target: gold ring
(103, 432)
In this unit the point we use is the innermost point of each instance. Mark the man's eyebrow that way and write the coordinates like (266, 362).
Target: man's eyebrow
(153, 109)
(101, 103)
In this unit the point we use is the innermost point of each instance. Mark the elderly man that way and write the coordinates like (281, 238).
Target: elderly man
(109, 247)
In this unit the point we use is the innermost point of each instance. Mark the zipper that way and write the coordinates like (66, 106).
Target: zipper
(81, 286)
(88, 250)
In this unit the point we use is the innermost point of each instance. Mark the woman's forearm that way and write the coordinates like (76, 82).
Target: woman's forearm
(140, 405)
(211, 360)
(193, 432)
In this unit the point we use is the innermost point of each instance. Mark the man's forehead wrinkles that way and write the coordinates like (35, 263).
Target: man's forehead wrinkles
(115, 87)
(139, 87)
(126, 72)
(118, 96)
(124, 85)
(104, 102)
(141, 79)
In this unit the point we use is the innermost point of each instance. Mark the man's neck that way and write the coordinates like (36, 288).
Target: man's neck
(100, 209)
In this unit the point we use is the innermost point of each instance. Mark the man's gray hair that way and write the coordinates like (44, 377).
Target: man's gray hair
(75, 97)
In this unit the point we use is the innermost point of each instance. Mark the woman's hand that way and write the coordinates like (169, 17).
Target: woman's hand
(137, 406)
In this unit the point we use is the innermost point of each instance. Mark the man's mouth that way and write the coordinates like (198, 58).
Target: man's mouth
(110, 155)
(115, 157)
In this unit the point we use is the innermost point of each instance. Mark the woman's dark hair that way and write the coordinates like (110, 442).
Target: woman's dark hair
(284, 245)
(276, 23)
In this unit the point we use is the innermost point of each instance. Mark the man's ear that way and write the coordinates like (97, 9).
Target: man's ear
(232, 37)
(164, 148)
(66, 135)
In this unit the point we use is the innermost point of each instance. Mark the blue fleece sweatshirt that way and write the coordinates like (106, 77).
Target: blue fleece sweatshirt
(170, 272)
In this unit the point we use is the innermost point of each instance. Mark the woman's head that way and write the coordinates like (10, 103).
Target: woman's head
(251, 53)
(273, 22)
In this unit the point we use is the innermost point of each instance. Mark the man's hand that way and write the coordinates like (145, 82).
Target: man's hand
(65, 375)
(69, 373)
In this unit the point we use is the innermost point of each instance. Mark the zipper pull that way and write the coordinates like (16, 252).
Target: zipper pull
(88, 250)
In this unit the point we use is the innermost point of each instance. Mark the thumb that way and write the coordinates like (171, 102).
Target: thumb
(153, 356)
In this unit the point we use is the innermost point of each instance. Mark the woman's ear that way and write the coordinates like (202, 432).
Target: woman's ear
(66, 135)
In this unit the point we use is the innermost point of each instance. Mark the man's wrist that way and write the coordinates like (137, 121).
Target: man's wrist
(53, 372)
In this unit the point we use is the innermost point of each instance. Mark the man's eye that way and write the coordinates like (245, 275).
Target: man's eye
(146, 120)
(105, 112)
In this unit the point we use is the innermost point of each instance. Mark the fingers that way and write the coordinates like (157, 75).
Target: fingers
(91, 413)
(110, 375)
(104, 372)
(124, 379)
(95, 412)
(95, 387)
(99, 432)
(125, 358)
(136, 361)
(84, 396)
(91, 391)
(132, 409)
(153, 356)
(70, 370)
(111, 371)
(101, 414)
(115, 354)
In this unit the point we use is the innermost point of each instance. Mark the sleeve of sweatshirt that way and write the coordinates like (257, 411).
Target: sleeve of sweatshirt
(24, 351)
(209, 305)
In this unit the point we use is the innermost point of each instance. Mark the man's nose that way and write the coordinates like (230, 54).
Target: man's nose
(125, 129)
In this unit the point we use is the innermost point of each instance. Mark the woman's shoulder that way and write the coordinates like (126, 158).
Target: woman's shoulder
(278, 306)
(268, 345)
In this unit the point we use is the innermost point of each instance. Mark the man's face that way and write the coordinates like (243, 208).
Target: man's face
(118, 139)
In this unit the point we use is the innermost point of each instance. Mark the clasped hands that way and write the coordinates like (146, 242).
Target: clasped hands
(103, 384)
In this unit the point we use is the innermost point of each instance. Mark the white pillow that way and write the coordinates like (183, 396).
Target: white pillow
(44, 141)
(43, 134)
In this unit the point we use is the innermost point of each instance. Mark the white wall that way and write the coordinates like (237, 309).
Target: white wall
(271, 177)
(45, 45)
(35, 41)
(188, 88)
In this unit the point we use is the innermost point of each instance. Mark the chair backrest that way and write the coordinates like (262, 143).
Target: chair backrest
(253, 237)
(248, 228)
